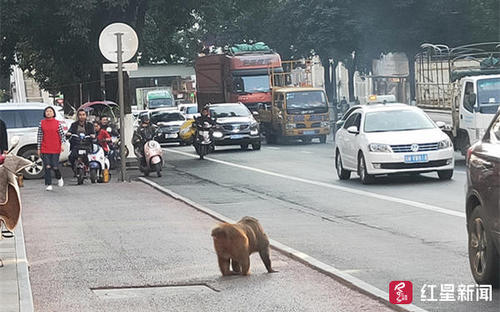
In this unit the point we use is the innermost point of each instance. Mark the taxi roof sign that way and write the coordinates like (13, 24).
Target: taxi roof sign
(381, 99)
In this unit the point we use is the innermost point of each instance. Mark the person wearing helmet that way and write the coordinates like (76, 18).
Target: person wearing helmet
(145, 132)
(205, 116)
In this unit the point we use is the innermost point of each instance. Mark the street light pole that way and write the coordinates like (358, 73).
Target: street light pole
(123, 171)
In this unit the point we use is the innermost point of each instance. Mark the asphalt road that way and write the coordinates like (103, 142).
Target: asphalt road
(401, 228)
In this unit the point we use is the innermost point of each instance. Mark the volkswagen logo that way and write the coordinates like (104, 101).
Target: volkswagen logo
(414, 147)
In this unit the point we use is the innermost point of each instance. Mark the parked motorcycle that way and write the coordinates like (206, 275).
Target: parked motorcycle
(203, 143)
(153, 158)
(98, 164)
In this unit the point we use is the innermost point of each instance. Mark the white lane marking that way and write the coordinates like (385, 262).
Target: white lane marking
(273, 148)
(306, 152)
(336, 187)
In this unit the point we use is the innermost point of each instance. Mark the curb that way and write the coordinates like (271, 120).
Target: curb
(344, 278)
(23, 278)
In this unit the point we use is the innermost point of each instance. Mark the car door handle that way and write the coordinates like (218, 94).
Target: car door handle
(461, 116)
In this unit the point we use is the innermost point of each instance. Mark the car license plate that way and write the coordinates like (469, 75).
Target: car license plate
(171, 135)
(421, 158)
(236, 136)
(309, 132)
(82, 152)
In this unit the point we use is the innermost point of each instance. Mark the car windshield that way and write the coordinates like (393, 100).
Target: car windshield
(229, 111)
(166, 117)
(162, 102)
(251, 84)
(396, 120)
(306, 102)
(191, 110)
(488, 94)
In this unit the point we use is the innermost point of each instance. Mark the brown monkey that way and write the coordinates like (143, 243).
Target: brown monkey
(235, 243)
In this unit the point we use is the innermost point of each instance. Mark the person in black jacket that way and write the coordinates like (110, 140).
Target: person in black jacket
(4, 142)
(81, 126)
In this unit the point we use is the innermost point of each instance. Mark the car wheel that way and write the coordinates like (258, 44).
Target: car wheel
(322, 139)
(484, 259)
(244, 146)
(256, 146)
(36, 170)
(363, 173)
(341, 172)
(445, 174)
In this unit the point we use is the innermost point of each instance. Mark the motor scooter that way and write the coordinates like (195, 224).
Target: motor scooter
(98, 163)
(153, 158)
(203, 143)
(84, 147)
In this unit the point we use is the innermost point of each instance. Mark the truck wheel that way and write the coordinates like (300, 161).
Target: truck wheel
(35, 171)
(244, 146)
(445, 174)
(256, 146)
(322, 139)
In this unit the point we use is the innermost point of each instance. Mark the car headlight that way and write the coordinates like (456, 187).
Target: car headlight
(153, 144)
(379, 148)
(444, 144)
(217, 134)
(325, 124)
(291, 126)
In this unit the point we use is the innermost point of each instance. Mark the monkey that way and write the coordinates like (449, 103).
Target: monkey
(235, 242)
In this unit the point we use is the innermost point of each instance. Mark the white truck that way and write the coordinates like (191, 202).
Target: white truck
(464, 81)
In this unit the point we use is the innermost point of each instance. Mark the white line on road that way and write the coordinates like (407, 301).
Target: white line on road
(306, 152)
(273, 148)
(335, 187)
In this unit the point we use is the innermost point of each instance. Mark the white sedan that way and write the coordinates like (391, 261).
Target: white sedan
(391, 138)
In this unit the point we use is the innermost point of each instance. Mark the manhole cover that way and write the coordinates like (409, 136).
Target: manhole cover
(148, 291)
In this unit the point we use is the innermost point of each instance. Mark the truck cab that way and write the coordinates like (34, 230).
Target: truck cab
(296, 113)
(478, 101)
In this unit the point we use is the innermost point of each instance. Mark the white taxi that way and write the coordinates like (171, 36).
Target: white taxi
(381, 139)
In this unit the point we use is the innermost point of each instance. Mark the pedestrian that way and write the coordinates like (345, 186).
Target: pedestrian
(4, 142)
(50, 146)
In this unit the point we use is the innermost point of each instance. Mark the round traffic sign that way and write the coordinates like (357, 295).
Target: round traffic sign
(109, 45)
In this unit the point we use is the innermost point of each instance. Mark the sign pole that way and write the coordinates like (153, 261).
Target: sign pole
(123, 170)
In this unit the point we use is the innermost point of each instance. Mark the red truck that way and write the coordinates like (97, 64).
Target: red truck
(236, 77)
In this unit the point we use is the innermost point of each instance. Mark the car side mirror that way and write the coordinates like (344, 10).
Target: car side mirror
(353, 130)
(440, 124)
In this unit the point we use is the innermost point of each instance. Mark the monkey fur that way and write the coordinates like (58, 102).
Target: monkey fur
(235, 242)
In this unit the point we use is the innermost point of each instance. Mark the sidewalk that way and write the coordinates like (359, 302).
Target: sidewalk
(128, 247)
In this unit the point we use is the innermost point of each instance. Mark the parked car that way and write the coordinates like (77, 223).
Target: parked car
(169, 123)
(236, 125)
(483, 206)
(380, 139)
(22, 120)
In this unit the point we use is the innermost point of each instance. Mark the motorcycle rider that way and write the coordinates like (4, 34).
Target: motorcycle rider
(81, 126)
(145, 132)
(205, 117)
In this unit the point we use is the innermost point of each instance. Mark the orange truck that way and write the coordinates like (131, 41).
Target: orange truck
(239, 75)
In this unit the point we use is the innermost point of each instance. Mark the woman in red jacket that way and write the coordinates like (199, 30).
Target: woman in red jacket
(50, 140)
